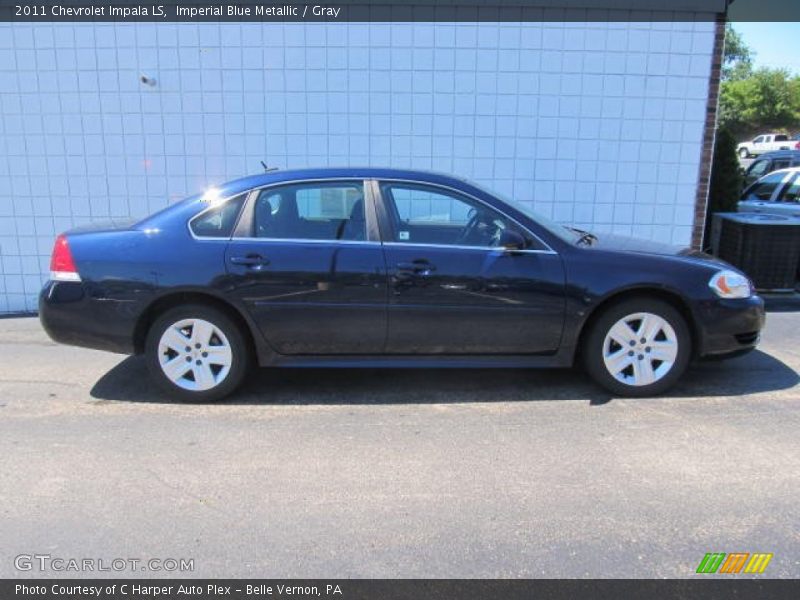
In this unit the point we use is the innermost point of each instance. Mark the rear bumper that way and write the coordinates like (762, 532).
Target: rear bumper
(729, 327)
(70, 316)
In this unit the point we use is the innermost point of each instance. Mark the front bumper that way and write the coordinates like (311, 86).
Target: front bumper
(729, 327)
(71, 316)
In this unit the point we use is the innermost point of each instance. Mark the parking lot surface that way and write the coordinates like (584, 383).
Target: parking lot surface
(399, 473)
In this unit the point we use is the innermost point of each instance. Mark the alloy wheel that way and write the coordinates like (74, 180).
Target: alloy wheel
(640, 349)
(195, 354)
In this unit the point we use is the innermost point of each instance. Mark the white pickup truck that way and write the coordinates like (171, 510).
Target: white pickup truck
(764, 143)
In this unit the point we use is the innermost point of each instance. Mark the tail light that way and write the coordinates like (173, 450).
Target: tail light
(62, 266)
(797, 146)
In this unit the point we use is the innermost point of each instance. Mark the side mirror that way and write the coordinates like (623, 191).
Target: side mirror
(511, 241)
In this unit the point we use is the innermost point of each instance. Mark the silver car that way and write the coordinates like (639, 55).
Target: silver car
(777, 193)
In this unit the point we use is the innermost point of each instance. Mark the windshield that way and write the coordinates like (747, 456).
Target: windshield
(567, 234)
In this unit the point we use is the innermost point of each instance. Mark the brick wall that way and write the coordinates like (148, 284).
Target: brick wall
(709, 135)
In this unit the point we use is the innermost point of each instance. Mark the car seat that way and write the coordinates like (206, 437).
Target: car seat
(355, 228)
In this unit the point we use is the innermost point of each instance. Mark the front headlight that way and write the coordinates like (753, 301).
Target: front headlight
(729, 284)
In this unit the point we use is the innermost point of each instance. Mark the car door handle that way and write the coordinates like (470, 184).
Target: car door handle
(250, 260)
(417, 267)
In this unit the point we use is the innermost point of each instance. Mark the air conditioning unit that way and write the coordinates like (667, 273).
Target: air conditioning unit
(766, 247)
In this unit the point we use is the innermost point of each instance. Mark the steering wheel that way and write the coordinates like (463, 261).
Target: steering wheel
(470, 228)
(481, 229)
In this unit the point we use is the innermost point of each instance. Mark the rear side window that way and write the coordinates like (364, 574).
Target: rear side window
(779, 164)
(781, 138)
(219, 221)
(312, 211)
(325, 203)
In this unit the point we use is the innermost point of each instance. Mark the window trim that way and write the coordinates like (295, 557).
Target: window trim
(546, 248)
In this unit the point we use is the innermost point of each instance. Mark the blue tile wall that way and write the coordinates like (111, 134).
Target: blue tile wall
(596, 124)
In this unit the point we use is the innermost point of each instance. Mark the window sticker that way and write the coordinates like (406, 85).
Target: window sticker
(404, 235)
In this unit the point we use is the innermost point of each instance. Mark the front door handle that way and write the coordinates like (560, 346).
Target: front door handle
(255, 261)
(417, 267)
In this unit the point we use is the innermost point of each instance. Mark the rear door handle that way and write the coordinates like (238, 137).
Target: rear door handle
(417, 267)
(250, 260)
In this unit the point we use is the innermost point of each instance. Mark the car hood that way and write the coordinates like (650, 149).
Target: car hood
(619, 243)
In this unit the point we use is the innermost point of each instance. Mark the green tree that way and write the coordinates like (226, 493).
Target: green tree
(737, 59)
(768, 99)
(726, 178)
(754, 100)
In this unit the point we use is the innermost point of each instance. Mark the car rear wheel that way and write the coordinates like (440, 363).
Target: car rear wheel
(196, 353)
(639, 347)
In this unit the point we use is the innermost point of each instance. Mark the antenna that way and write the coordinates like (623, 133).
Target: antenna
(266, 168)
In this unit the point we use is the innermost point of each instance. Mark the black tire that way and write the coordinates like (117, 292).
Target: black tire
(593, 347)
(240, 353)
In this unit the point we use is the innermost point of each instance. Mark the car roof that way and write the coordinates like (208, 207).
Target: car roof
(776, 172)
(296, 175)
(780, 154)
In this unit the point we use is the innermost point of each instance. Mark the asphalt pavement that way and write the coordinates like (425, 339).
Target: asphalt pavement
(405, 473)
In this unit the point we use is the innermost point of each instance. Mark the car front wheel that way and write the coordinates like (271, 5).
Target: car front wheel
(196, 353)
(638, 347)
(743, 153)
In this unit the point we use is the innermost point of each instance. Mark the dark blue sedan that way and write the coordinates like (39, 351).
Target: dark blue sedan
(386, 268)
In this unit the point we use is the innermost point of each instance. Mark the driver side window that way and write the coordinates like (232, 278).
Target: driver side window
(430, 215)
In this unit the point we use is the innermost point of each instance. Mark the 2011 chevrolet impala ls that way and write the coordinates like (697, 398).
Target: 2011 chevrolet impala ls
(386, 268)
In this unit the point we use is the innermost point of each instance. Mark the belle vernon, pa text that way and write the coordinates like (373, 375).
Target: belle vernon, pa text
(163, 591)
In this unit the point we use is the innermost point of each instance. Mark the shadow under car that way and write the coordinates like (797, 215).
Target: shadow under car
(753, 373)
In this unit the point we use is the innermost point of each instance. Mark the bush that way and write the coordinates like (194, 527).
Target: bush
(726, 178)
